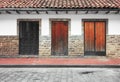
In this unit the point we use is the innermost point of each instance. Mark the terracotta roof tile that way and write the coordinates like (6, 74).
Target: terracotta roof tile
(59, 3)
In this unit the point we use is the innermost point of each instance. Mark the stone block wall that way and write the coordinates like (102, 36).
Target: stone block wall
(113, 46)
(9, 45)
(76, 46)
(44, 46)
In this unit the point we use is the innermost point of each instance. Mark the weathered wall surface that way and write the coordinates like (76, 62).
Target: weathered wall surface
(9, 45)
(76, 46)
(9, 42)
(44, 46)
(113, 45)
(8, 23)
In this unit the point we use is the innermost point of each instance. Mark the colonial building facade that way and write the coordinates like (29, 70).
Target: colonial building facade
(60, 28)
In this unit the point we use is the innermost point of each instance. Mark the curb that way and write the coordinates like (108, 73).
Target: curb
(60, 66)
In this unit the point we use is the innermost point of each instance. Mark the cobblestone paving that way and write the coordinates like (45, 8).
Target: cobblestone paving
(59, 75)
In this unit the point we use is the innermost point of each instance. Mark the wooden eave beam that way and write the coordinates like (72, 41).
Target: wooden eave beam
(76, 12)
(8, 12)
(37, 12)
(18, 12)
(96, 12)
(56, 9)
(56, 12)
(28, 12)
(86, 12)
(66, 12)
(107, 12)
(117, 12)
(46, 12)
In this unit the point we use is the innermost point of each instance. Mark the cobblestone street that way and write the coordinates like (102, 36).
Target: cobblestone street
(59, 75)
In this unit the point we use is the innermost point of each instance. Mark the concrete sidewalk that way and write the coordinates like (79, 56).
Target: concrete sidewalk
(59, 75)
(60, 62)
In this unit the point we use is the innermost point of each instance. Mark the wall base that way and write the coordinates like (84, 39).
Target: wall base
(9, 46)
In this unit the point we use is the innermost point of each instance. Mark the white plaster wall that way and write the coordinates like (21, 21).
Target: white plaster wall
(8, 26)
(8, 23)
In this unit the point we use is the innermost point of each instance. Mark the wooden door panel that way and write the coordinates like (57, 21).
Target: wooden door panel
(59, 38)
(100, 36)
(95, 38)
(89, 37)
(29, 37)
(64, 36)
(55, 37)
(53, 32)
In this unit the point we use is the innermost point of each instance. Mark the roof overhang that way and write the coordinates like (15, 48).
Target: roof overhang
(57, 11)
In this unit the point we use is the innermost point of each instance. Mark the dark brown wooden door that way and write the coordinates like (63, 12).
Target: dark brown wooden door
(28, 37)
(59, 37)
(94, 38)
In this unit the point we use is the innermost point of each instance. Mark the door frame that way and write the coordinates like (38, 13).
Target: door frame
(106, 31)
(18, 20)
(69, 30)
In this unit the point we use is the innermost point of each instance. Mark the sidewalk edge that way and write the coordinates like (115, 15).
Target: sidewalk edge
(60, 66)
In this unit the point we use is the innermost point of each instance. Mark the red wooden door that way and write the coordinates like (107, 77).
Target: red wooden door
(89, 38)
(94, 38)
(59, 37)
(100, 37)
